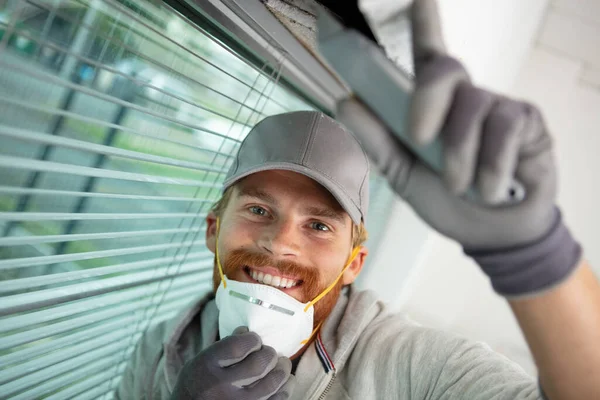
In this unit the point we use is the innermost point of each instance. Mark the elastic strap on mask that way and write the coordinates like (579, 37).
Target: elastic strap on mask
(217, 255)
(312, 334)
(324, 292)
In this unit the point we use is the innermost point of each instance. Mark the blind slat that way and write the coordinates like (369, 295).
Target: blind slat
(162, 66)
(18, 322)
(68, 340)
(36, 300)
(49, 216)
(91, 369)
(44, 138)
(81, 334)
(47, 77)
(60, 258)
(124, 334)
(51, 166)
(189, 51)
(20, 241)
(28, 367)
(14, 285)
(51, 192)
(36, 379)
(106, 124)
(35, 334)
(139, 82)
(90, 388)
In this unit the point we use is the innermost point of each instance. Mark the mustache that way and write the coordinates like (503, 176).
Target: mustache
(240, 258)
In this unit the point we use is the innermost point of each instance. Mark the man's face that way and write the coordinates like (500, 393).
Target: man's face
(284, 229)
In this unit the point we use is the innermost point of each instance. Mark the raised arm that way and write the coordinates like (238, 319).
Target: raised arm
(562, 328)
(490, 141)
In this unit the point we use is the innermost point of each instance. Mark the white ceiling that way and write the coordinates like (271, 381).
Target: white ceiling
(572, 29)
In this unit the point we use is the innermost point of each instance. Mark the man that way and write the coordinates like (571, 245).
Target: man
(284, 320)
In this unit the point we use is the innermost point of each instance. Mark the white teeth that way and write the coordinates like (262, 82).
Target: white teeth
(275, 281)
(267, 279)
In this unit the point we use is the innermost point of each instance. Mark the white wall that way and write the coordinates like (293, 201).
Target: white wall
(446, 289)
(491, 37)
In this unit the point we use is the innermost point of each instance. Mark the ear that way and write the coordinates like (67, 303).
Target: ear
(211, 231)
(356, 266)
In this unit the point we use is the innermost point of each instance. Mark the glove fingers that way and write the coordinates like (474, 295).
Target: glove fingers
(458, 218)
(272, 382)
(536, 169)
(285, 392)
(436, 83)
(384, 150)
(498, 157)
(253, 367)
(436, 74)
(235, 348)
(462, 134)
(239, 330)
(427, 38)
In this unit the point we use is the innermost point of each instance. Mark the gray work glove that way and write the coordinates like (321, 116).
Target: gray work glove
(237, 367)
(488, 141)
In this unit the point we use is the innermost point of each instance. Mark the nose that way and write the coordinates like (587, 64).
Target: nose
(280, 239)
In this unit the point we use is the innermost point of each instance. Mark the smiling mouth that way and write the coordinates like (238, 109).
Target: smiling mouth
(277, 281)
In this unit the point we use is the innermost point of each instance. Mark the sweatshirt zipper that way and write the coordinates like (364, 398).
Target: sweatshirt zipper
(324, 394)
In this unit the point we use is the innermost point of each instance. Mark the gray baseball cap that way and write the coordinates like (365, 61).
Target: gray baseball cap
(312, 144)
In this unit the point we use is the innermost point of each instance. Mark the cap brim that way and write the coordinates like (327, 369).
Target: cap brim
(338, 193)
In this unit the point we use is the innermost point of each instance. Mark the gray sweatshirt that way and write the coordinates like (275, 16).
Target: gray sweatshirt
(362, 352)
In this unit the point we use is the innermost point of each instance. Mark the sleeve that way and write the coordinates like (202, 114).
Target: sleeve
(455, 368)
(413, 362)
(140, 371)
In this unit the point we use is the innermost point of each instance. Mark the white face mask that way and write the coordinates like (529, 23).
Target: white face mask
(280, 320)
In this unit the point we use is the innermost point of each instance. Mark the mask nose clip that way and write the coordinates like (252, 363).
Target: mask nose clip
(261, 303)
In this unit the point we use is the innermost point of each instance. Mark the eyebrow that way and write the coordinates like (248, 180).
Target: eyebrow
(313, 211)
(257, 193)
(325, 212)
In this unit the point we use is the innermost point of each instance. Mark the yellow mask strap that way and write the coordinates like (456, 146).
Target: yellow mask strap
(312, 334)
(217, 255)
(323, 293)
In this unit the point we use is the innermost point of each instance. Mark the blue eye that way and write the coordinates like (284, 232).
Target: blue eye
(319, 226)
(258, 210)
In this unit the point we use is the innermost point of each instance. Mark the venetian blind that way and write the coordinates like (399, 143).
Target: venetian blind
(118, 122)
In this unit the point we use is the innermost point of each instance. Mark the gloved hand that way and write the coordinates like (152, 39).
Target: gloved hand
(237, 367)
(488, 141)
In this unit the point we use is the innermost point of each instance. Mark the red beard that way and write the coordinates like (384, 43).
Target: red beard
(311, 285)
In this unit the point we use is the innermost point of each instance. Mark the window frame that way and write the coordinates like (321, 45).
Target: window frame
(248, 27)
